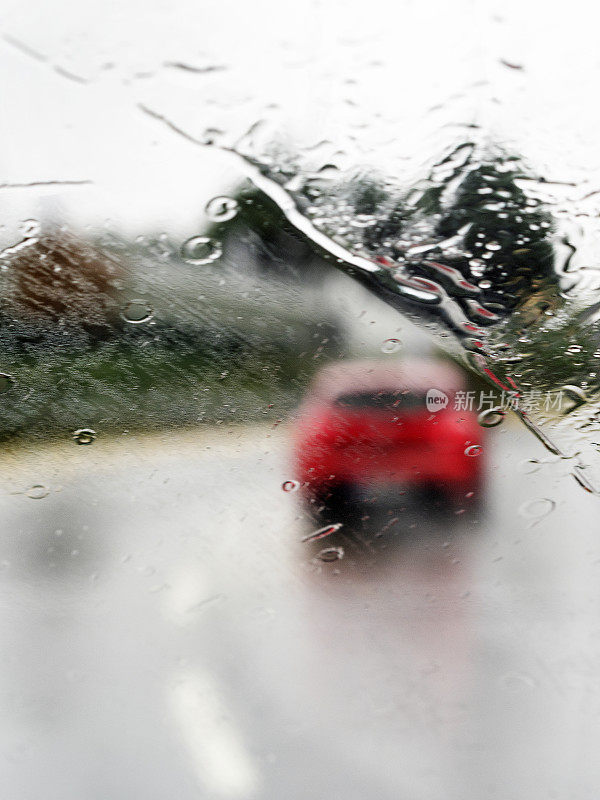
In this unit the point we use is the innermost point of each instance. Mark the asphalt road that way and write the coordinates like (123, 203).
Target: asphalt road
(167, 635)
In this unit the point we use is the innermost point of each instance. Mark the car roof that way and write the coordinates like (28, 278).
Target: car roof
(412, 375)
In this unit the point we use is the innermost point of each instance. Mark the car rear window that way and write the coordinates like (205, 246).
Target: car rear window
(381, 401)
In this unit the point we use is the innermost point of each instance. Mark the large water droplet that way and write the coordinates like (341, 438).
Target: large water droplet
(221, 209)
(84, 436)
(391, 346)
(491, 417)
(474, 450)
(537, 509)
(201, 250)
(137, 311)
(331, 554)
(322, 532)
(38, 491)
(290, 486)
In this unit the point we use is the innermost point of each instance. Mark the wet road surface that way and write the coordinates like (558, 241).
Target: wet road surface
(166, 633)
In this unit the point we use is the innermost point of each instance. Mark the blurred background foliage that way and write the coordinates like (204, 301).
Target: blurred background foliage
(239, 338)
(236, 340)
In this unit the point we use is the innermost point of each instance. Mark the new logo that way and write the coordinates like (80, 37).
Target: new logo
(436, 400)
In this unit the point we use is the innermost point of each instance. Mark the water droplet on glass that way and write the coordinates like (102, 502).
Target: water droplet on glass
(491, 417)
(576, 395)
(6, 381)
(331, 554)
(573, 349)
(38, 491)
(537, 509)
(529, 465)
(221, 209)
(474, 450)
(485, 284)
(84, 435)
(362, 221)
(290, 486)
(30, 228)
(391, 346)
(515, 681)
(322, 532)
(493, 246)
(201, 250)
(137, 311)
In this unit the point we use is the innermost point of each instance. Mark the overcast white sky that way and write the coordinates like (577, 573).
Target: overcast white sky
(362, 74)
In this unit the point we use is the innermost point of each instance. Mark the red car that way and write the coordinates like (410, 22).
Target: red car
(370, 426)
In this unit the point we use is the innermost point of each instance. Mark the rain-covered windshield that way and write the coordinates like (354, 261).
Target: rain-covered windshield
(232, 236)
